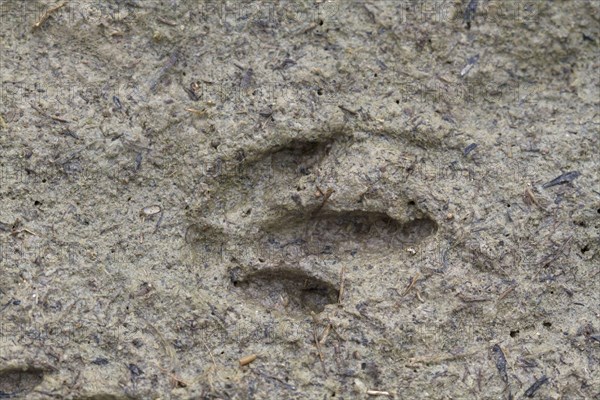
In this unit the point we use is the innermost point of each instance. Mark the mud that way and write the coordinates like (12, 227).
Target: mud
(360, 193)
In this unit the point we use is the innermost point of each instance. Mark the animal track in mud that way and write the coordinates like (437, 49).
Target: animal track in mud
(291, 249)
(17, 383)
(282, 287)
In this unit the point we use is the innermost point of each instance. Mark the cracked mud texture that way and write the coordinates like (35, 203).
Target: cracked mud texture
(355, 191)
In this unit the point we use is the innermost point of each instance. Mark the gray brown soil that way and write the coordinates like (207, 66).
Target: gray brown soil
(353, 191)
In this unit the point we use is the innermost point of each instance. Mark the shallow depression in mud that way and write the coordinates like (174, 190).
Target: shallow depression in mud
(287, 290)
(345, 232)
(15, 383)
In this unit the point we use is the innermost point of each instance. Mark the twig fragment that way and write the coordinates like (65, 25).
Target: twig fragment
(378, 393)
(437, 358)
(529, 198)
(551, 258)
(38, 109)
(471, 299)
(47, 15)
(210, 353)
(342, 283)
(166, 21)
(175, 380)
(318, 345)
(274, 378)
(343, 108)
(326, 197)
(247, 360)
(325, 334)
(506, 292)
(411, 285)
(419, 297)
(470, 64)
(196, 111)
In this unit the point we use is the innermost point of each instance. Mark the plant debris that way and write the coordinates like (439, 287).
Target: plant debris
(534, 388)
(500, 362)
(562, 179)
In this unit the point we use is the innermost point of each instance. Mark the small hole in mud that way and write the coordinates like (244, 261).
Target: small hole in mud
(411, 203)
(585, 248)
(514, 334)
(320, 92)
(547, 324)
